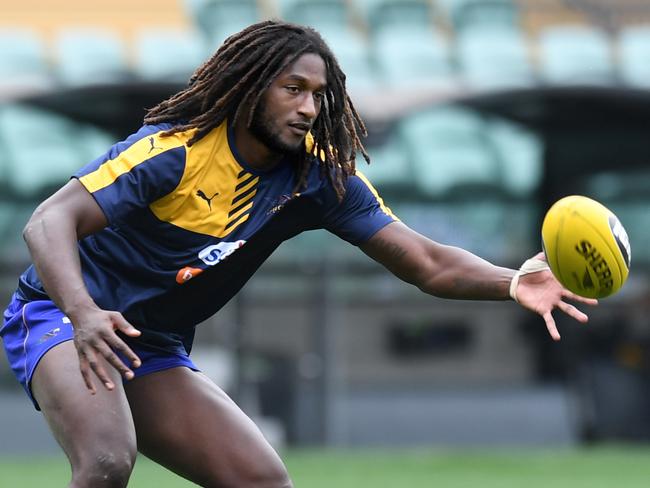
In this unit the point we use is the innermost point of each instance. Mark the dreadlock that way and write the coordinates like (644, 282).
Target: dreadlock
(242, 69)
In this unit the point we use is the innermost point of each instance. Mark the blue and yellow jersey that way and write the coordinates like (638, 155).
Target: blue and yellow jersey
(189, 225)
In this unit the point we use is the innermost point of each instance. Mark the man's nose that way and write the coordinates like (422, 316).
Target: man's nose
(307, 106)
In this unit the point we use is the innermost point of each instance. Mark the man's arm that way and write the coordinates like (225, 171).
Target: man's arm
(436, 269)
(51, 236)
(451, 272)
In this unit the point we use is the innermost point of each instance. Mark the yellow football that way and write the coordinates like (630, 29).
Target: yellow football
(586, 246)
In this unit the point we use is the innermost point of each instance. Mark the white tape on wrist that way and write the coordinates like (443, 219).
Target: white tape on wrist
(531, 265)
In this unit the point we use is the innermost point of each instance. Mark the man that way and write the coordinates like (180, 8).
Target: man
(160, 232)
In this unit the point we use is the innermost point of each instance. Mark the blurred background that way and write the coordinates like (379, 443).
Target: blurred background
(481, 113)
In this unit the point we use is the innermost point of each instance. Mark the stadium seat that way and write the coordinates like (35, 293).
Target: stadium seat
(634, 55)
(519, 154)
(323, 15)
(354, 56)
(412, 58)
(168, 55)
(23, 59)
(575, 54)
(41, 152)
(389, 169)
(467, 14)
(218, 19)
(87, 56)
(449, 153)
(400, 14)
(93, 142)
(493, 58)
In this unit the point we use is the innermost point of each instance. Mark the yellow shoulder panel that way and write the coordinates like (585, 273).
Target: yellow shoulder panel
(215, 194)
(143, 150)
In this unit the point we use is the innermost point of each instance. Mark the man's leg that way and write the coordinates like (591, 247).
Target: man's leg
(189, 425)
(95, 431)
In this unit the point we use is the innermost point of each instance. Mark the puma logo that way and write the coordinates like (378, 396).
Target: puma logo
(152, 141)
(202, 195)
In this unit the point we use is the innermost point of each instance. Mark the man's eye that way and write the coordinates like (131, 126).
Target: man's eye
(319, 96)
(293, 89)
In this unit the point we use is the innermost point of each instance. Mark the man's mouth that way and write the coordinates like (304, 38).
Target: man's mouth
(300, 128)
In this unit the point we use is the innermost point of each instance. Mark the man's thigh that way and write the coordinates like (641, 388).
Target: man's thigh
(86, 425)
(189, 425)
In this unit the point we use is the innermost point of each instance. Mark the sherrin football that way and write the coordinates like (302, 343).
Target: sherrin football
(586, 246)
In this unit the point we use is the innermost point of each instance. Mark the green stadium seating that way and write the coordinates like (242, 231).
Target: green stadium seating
(92, 142)
(401, 14)
(23, 59)
(354, 56)
(449, 153)
(634, 55)
(389, 169)
(520, 156)
(575, 54)
(494, 58)
(168, 55)
(467, 14)
(87, 56)
(218, 19)
(323, 15)
(41, 151)
(412, 58)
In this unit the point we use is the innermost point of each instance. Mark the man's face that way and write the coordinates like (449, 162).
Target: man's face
(290, 105)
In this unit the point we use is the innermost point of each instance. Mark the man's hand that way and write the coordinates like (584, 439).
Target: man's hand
(94, 336)
(541, 292)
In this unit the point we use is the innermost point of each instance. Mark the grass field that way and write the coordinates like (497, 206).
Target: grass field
(604, 467)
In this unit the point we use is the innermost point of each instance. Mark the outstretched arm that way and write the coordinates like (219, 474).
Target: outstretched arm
(451, 272)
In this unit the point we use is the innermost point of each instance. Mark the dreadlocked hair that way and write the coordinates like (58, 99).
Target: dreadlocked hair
(242, 69)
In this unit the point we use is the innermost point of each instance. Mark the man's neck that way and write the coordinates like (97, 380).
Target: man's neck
(252, 151)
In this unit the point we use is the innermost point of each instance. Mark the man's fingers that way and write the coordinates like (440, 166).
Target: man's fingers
(573, 312)
(577, 298)
(114, 360)
(98, 368)
(119, 345)
(84, 367)
(123, 326)
(551, 327)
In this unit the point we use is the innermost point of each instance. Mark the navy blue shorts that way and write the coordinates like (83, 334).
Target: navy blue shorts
(32, 328)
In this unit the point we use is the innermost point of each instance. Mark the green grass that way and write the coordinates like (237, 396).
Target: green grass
(625, 467)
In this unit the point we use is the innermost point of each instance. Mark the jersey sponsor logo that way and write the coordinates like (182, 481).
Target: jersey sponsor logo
(152, 141)
(186, 274)
(216, 253)
(202, 195)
